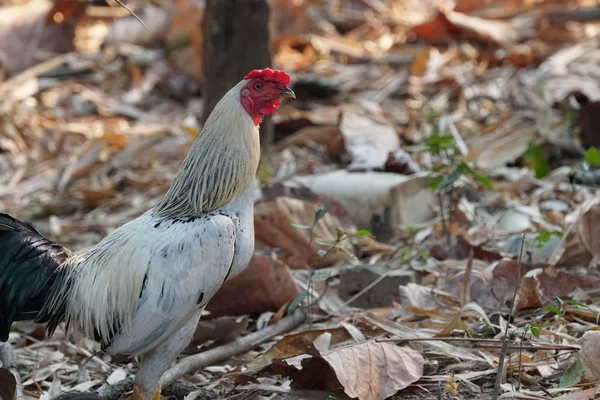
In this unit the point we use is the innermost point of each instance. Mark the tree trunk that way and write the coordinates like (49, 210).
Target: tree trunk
(236, 41)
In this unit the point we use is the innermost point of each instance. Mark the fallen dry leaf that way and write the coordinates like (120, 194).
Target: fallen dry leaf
(310, 134)
(530, 294)
(445, 24)
(588, 119)
(8, 385)
(221, 330)
(415, 295)
(289, 346)
(590, 354)
(266, 285)
(367, 371)
(493, 290)
(368, 141)
(581, 245)
(273, 227)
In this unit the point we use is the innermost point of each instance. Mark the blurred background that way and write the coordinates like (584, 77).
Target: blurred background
(97, 111)
(445, 128)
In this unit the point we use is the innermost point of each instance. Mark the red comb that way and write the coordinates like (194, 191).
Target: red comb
(270, 75)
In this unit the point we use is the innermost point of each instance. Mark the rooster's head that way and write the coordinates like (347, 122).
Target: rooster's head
(262, 93)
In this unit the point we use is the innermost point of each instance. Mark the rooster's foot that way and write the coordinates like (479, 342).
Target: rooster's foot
(138, 394)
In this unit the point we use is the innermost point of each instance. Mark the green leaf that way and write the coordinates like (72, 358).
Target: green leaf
(438, 167)
(299, 226)
(339, 233)
(592, 157)
(484, 180)
(321, 211)
(453, 177)
(297, 301)
(553, 309)
(436, 182)
(544, 236)
(535, 331)
(435, 144)
(439, 140)
(412, 229)
(572, 375)
(535, 159)
(363, 232)
(576, 303)
(430, 116)
(559, 301)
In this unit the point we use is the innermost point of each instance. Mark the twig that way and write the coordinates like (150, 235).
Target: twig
(134, 15)
(7, 358)
(520, 362)
(491, 343)
(501, 360)
(7, 88)
(240, 345)
(465, 294)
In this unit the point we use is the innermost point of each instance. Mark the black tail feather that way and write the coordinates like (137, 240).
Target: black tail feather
(29, 268)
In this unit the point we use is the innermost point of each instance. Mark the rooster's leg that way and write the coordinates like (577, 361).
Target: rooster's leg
(154, 363)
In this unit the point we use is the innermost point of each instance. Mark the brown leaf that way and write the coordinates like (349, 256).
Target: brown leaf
(273, 227)
(8, 385)
(310, 134)
(493, 290)
(530, 294)
(436, 29)
(265, 285)
(221, 330)
(416, 295)
(369, 370)
(581, 245)
(590, 354)
(375, 370)
(588, 119)
(401, 162)
(487, 30)
(289, 346)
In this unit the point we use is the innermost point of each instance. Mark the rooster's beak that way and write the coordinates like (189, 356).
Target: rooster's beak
(288, 93)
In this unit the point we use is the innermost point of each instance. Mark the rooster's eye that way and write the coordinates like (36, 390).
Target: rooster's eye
(258, 86)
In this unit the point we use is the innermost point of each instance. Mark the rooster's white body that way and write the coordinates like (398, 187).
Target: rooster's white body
(141, 290)
(177, 264)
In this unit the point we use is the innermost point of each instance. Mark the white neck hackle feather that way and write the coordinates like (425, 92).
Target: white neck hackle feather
(107, 279)
(221, 164)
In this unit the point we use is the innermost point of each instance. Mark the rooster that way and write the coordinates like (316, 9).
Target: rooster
(140, 291)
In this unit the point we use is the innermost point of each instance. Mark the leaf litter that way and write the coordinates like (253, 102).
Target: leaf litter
(446, 130)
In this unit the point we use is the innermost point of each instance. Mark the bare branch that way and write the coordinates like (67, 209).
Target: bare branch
(238, 346)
